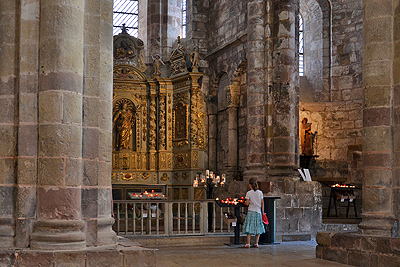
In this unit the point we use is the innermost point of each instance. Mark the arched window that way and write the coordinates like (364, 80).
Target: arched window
(301, 46)
(183, 27)
(126, 12)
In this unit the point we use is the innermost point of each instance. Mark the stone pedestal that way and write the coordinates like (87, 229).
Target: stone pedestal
(299, 209)
(125, 255)
(358, 249)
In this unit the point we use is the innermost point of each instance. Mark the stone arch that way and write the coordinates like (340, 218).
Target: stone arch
(315, 84)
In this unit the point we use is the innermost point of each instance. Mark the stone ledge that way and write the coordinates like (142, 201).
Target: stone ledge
(123, 256)
(358, 249)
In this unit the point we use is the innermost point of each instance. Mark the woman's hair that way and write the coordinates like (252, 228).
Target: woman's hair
(253, 183)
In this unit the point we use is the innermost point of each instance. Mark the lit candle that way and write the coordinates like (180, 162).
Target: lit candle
(207, 173)
(223, 178)
(218, 179)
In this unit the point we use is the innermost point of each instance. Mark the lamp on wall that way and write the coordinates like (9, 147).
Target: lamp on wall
(278, 89)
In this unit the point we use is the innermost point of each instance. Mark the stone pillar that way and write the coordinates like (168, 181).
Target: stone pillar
(8, 114)
(96, 128)
(233, 140)
(379, 142)
(163, 27)
(256, 87)
(59, 223)
(212, 138)
(28, 127)
(285, 108)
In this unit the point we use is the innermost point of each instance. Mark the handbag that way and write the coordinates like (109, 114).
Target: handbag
(265, 218)
(265, 221)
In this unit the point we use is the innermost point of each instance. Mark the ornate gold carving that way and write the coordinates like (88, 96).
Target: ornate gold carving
(169, 161)
(185, 176)
(177, 59)
(144, 162)
(182, 84)
(193, 119)
(181, 160)
(180, 120)
(128, 176)
(144, 112)
(124, 122)
(195, 159)
(114, 96)
(176, 176)
(127, 50)
(169, 121)
(163, 163)
(145, 175)
(197, 128)
(138, 161)
(162, 131)
(152, 123)
(126, 73)
(115, 177)
(133, 161)
(115, 161)
(153, 161)
(164, 177)
(125, 162)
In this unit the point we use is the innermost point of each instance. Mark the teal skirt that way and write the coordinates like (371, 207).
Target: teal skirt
(253, 224)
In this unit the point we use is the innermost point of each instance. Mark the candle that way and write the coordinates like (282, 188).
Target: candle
(218, 179)
(223, 178)
(207, 173)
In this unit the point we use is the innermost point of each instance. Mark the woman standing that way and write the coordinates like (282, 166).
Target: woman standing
(253, 224)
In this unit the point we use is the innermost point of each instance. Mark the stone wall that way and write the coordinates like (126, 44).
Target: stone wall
(357, 250)
(299, 208)
(338, 118)
(55, 125)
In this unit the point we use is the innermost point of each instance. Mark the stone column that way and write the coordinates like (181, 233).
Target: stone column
(256, 87)
(97, 128)
(59, 223)
(285, 108)
(162, 26)
(8, 114)
(379, 142)
(212, 138)
(28, 127)
(233, 139)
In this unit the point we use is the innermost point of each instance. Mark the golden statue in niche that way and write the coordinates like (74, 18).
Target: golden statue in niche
(124, 122)
(125, 50)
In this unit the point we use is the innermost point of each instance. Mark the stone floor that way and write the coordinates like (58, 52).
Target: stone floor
(296, 254)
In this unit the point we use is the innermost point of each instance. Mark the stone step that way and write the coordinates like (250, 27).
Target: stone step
(207, 240)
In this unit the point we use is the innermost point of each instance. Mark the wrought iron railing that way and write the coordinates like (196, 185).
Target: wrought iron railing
(168, 218)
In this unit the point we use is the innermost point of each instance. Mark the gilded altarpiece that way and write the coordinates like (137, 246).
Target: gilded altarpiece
(158, 126)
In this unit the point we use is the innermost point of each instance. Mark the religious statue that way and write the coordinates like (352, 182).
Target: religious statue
(124, 121)
(124, 51)
(157, 62)
(306, 138)
(194, 58)
(141, 63)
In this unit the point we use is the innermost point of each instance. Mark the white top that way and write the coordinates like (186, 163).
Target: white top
(255, 198)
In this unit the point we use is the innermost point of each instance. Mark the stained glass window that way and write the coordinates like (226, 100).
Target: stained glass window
(301, 46)
(126, 12)
(183, 29)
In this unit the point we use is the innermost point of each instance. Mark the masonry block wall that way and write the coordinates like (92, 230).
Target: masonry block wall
(336, 113)
(357, 250)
